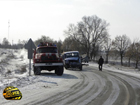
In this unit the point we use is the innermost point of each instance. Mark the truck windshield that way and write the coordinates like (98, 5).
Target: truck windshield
(47, 50)
(72, 55)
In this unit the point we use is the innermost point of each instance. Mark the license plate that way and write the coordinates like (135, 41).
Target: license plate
(48, 63)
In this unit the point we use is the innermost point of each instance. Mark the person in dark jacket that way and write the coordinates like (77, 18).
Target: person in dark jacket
(100, 62)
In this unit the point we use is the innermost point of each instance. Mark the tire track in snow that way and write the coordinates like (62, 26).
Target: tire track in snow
(64, 95)
(127, 90)
(107, 89)
(95, 88)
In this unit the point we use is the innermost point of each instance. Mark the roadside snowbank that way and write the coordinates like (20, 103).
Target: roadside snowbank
(14, 72)
(119, 69)
(13, 65)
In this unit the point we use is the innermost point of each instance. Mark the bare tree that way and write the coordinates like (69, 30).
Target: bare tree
(121, 43)
(70, 44)
(136, 53)
(5, 42)
(88, 32)
(130, 52)
(59, 45)
(94, 50)
(107, 47)
(66, 46)
(43, 39)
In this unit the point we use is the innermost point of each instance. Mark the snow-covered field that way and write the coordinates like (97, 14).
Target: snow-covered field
(14, 70)
(13, 66)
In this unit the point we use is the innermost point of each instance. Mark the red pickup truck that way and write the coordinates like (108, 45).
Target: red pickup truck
(46, 57)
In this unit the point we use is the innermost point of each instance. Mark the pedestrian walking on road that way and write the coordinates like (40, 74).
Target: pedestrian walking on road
(100, 62)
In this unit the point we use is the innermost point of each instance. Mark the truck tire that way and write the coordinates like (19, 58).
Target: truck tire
(37, 70)
(56, 70)
(59, 71)
(66, 66)
(80, 68)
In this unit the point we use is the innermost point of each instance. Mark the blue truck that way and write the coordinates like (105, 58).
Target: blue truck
(71, 59)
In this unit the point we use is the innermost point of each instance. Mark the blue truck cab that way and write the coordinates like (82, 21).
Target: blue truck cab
(71, 59)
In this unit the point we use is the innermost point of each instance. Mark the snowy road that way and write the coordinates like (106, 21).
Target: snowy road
(87, 87)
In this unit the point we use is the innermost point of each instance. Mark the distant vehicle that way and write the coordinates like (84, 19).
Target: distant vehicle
(46, 57)
(72, 59)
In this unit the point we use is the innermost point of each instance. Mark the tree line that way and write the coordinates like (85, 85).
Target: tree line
(6, 44)
(119, 48)
(90, 36)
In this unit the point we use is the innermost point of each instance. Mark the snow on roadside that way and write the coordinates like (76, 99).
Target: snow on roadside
(14, 72)
(12, 66)
(119, 69)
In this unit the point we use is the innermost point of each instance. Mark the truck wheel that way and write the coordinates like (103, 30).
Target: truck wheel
(37, 70)
(60, 70)
(66, 67)
(56, 70)
(80, 68)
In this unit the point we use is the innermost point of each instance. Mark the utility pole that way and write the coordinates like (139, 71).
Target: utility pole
(8, 28)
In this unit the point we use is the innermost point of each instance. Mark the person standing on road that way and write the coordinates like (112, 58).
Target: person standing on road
(100, 62)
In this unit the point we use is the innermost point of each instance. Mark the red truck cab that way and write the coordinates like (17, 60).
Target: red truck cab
(46, 57)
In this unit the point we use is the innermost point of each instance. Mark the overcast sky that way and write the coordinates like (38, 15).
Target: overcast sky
(33, 18)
